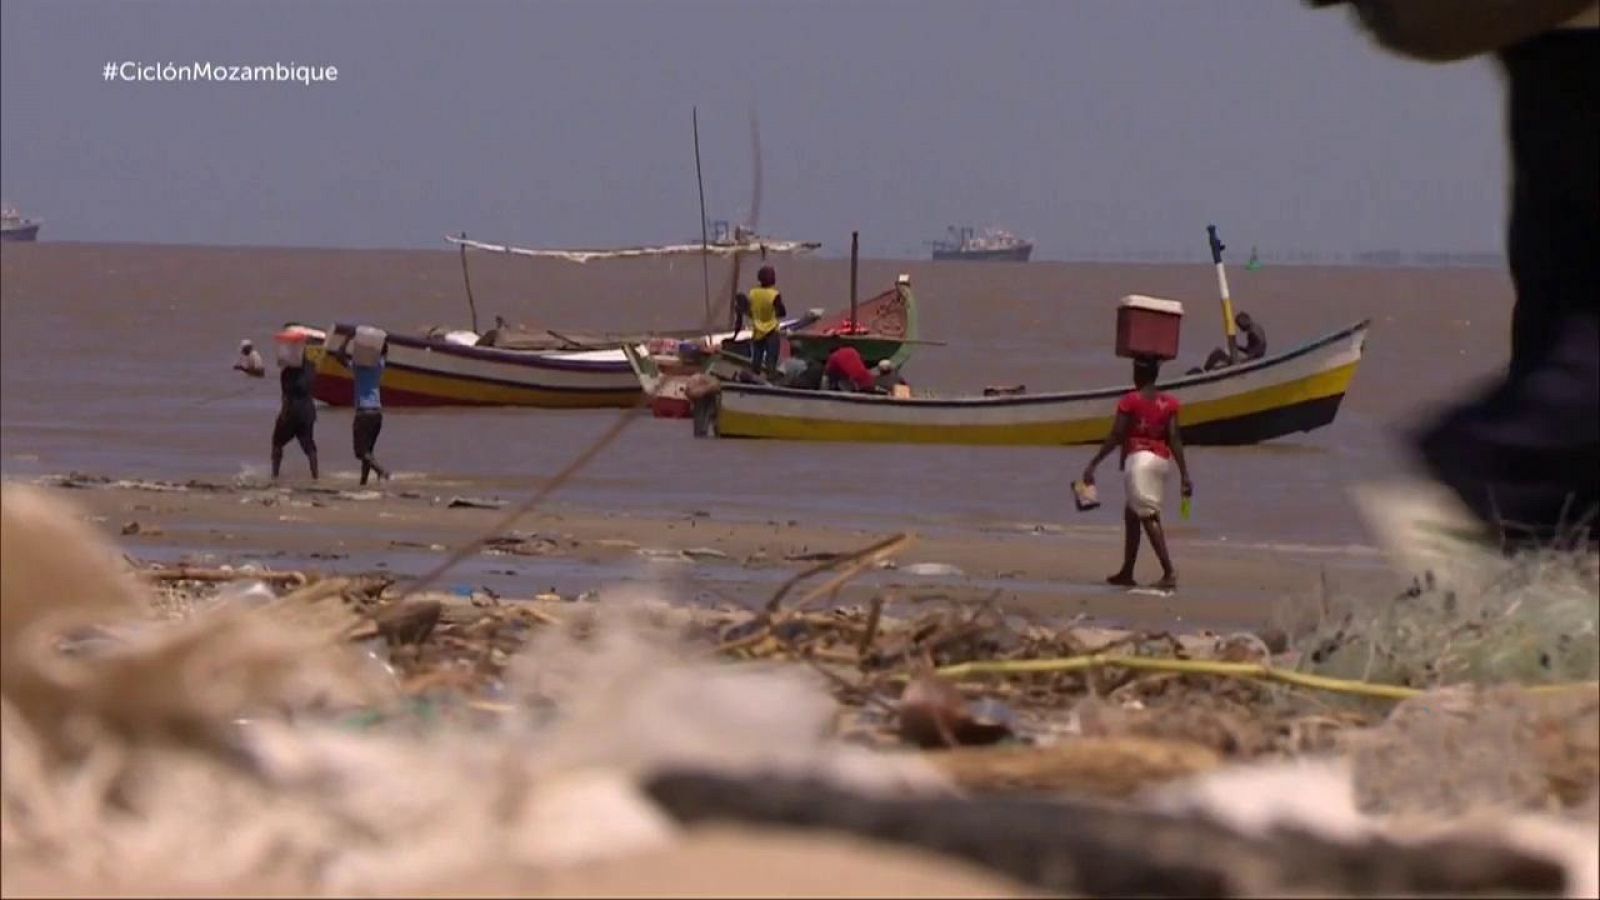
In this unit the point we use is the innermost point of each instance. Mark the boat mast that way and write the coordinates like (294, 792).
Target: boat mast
(1217, 246)
(705, 249)
(471, 306)
(855, 254)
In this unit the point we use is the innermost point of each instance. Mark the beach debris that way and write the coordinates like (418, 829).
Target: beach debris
(75, 481)
(521, 543)
(698, 553)
(360, 495)
(1089, 766)
(661, 554)
(247, 593)
(1078, 848)
(409, 622)
(933, 713)
(1243, 647)
(254, 572)
(813, 556)
(1450, 751)
(474, 503)
(933, 570)
(130, 527)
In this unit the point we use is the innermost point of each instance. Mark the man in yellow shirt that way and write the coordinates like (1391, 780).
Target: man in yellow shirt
(763, 306)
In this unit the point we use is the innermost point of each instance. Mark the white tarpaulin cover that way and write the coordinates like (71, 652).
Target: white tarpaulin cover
(583, 256)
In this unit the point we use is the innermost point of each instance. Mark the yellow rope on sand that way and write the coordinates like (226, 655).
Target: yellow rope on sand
(1206, 667)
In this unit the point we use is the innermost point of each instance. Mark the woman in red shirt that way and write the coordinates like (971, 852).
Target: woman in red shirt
(1146, 429)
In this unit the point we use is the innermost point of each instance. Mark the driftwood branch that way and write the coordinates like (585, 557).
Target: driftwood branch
(1082, 848)
(220, 576)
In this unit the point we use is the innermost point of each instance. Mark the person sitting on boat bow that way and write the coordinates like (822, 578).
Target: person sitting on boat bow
(1253, 348)
(492, 336)
(763, 306)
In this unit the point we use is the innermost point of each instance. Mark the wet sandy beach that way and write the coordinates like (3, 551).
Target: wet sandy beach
(1040, 570)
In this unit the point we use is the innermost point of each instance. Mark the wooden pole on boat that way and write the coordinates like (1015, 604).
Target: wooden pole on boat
(705, 241)
(471, 306)
(1230, 330)
(855, 255)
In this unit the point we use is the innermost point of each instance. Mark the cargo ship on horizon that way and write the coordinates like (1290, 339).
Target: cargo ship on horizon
(14, 227)
(994, 245)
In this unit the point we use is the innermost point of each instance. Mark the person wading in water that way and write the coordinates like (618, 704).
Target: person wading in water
(368, 422)
(297, 414)
(1146, 431)
(249, 361)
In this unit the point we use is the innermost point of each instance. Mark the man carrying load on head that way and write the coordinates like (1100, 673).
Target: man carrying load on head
(297, 410)
(368, 421)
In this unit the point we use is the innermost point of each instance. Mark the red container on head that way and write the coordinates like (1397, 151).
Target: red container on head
(1148, 326)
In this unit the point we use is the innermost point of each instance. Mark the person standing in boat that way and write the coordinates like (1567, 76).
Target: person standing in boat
(368, 422)
(1146, 431)
(297, 414)
(763, 306)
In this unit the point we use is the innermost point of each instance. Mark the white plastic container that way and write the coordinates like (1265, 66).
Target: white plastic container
(337, 338)
(1148, 326)
(291, 347)
(366, 348)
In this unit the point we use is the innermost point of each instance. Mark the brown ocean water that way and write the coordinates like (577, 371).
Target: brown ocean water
(115, 360)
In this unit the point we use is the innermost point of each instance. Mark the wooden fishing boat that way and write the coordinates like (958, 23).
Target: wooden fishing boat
(1296, 391)
(545, 369)
(427, 370)
(883, 327)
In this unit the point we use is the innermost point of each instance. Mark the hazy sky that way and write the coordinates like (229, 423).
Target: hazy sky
(1093, 127)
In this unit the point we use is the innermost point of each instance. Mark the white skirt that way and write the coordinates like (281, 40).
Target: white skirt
(1145, 480)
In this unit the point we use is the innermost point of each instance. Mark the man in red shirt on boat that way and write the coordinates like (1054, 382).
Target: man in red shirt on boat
(764, 308)
(847, 371)
(1146, 430)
